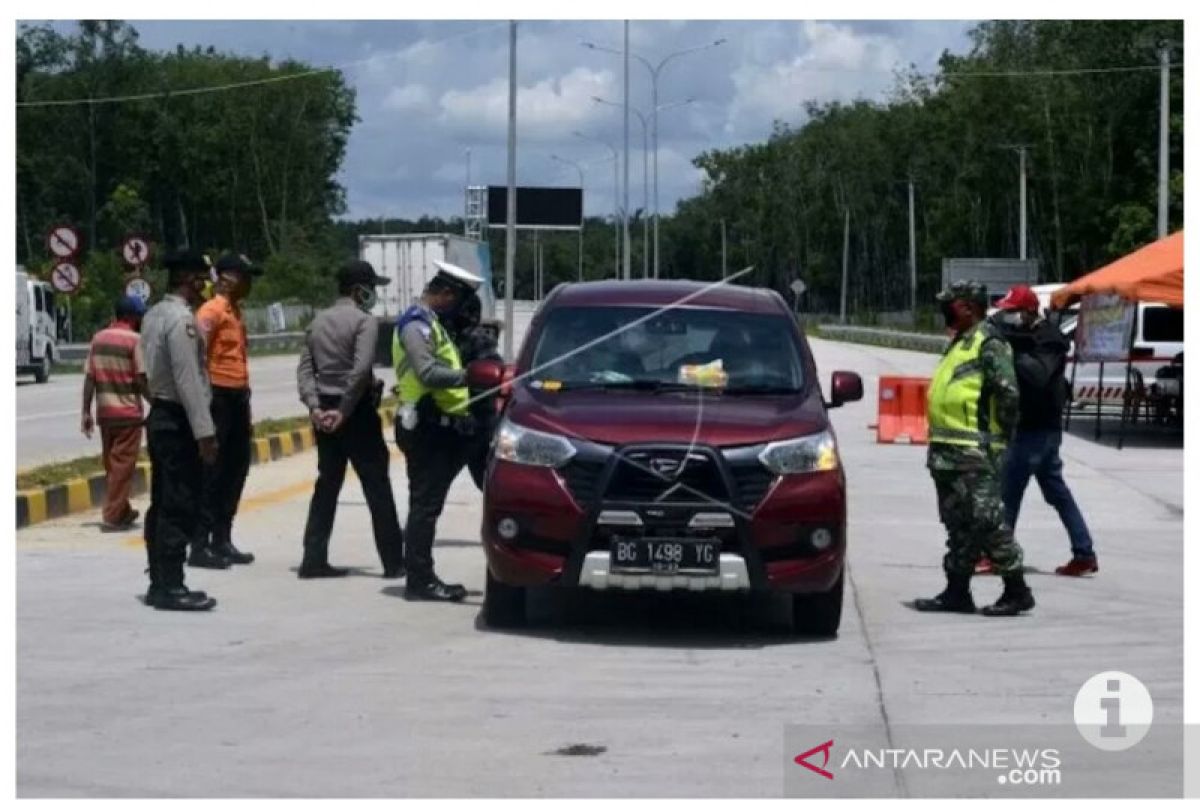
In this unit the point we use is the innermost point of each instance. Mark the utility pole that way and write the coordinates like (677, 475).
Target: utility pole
(1024, 213)
(1164, 130)
(537, 267)
(912, 248)
(510, 237)
(724, 267)
(845, 263)
(625, 190)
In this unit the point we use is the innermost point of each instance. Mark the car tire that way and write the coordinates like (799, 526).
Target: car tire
(818, 614)
(503, 605)
(43, 371)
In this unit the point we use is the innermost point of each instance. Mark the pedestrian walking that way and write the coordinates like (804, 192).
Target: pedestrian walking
(1040, 357)
(337, 384)
(973, 405)
(179, 430)
(115, 380)
(434, 427)
(224, 332)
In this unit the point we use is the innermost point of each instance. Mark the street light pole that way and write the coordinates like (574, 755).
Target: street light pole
(510, 234)
(578, 167)
(625, 193)
(1164, 127)
(645, 179)
(655, 71)
(616, 199)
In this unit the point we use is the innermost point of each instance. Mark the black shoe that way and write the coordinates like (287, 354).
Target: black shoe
(207, 558)
(435, 589)
(394, 573)
(178, 598)
(955, 599)
(320, 571)
(1015, 599)
(118, 527)
(231, 554)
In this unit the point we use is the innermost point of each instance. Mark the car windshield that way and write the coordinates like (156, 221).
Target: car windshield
(645, 348)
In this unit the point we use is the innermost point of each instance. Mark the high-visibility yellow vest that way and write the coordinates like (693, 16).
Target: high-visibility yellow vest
(955, 396)
(449, 401)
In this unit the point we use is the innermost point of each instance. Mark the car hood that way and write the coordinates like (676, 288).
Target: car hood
(618, 417)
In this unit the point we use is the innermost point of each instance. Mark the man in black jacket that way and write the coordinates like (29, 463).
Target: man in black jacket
(476, 341)
(1040, 355)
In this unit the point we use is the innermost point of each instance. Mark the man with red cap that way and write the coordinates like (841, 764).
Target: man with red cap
(1040, 358)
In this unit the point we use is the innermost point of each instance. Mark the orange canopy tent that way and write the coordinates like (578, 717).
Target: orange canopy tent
(1153, 274)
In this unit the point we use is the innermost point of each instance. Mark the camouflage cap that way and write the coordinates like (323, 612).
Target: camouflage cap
(963, 290)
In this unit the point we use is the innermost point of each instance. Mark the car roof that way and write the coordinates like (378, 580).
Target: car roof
(661, 292)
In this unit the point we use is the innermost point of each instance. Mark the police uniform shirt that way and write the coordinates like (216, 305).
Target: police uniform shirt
(338, 359)
(416, 337)
(175, 361)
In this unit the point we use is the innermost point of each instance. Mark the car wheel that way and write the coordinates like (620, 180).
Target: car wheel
(503, 605)
(43, 372)
(818, 614)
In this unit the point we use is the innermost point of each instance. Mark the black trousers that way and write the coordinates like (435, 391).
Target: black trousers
(360, 443)
(176, 479)
(435, 456)
(224, 480)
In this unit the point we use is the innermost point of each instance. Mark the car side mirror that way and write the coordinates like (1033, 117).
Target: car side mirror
(484, 374)
(846, 387)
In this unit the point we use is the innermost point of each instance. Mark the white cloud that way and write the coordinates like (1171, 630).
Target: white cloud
(834, 63)
(550, 108)
(410, 97)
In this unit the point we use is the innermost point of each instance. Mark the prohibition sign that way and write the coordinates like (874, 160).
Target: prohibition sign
(65, 278)
(136, 251)
(63, 241)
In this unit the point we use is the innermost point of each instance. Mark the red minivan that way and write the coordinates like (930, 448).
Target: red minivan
(667, 435)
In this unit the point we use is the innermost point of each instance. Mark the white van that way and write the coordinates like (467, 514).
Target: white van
(37, 327)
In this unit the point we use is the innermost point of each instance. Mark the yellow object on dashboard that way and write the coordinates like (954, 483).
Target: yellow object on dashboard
(710, 376)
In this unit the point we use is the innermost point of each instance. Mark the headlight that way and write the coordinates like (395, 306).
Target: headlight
(816, 453)
(524, 446)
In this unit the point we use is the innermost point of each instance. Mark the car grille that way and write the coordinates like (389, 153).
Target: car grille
(582, 478)
(751, 482)
(645, 476)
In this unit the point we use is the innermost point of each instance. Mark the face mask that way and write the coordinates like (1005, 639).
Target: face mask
(1014, 319)
(949, 315)
(364, 297)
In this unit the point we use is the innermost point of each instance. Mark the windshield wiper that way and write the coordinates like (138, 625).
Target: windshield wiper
(761, 388)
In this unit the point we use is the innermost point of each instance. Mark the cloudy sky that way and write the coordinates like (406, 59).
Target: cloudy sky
(428, 91)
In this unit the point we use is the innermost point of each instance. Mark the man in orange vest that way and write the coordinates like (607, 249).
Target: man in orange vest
(220, 321)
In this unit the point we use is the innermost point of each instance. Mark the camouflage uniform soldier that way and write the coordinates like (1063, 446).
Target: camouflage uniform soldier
(973, 411)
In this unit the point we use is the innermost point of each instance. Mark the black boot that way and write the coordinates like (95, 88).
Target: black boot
(432, 588)
(310, 569)
(1015, 599)
(207, 558)
(178, 598)
(956, 598)
(230, 553)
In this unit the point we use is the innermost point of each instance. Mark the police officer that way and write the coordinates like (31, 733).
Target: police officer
(973, 409)
(220, 321)
(477, 341)
(337, 384)
(433, 422)
(179, 430)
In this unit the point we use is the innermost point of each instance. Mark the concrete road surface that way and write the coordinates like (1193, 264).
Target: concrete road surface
(48, 414)
(342, 688)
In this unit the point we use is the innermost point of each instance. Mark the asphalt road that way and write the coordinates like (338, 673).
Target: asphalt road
(341, 688)
(48, 414)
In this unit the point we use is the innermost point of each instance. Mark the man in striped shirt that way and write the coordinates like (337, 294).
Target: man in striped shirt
(116, 380)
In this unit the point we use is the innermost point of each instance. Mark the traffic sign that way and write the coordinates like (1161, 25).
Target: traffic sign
(798, 287)
(65, 277)
(63, 241)
(136, 251)
(138, 287)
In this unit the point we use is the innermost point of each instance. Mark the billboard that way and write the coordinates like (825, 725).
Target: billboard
(537, 207)
(1105, 327)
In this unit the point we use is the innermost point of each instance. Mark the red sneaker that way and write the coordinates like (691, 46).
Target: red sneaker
(1079, 566)
(984, 566)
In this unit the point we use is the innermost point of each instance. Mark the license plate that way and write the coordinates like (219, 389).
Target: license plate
(666, 556)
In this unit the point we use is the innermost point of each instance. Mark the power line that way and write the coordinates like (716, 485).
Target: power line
(165, 93)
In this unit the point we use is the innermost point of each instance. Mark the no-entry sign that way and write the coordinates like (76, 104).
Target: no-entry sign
(65, 278)
(63, 241)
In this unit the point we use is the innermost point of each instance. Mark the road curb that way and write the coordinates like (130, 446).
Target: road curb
(83, 494)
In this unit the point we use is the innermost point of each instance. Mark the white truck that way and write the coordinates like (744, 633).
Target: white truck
(407, 258)
(37, 327)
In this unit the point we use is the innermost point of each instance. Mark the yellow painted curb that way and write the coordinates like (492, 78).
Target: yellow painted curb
(36, 502)
(262, 448)
(79, 496)
(306, 438)
(285, 445)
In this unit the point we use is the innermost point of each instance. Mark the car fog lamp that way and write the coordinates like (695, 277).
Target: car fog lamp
(508, 528)
(822, 538)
